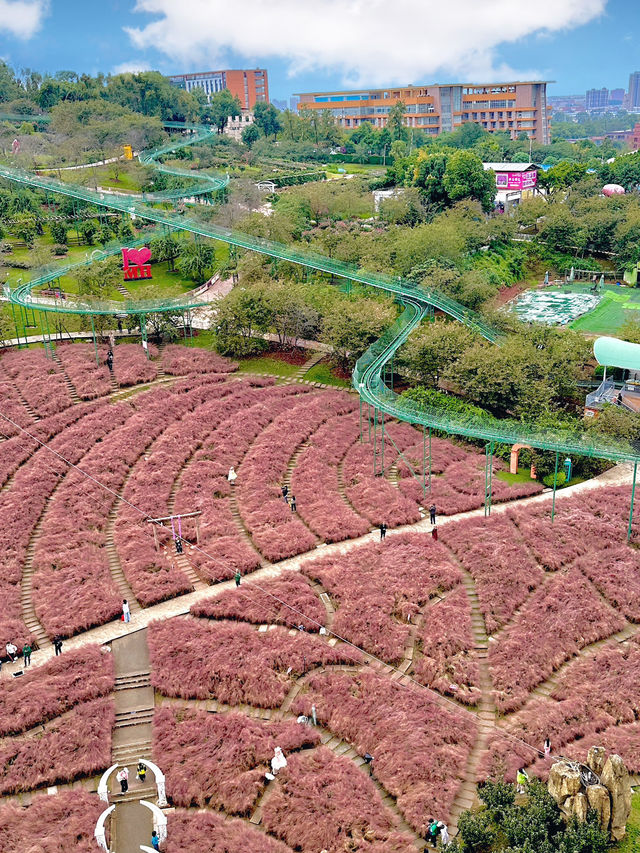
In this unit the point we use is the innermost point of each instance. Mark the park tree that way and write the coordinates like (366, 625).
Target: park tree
(465, 177)
(395, 122)
(25, 227)
(428, 176)
(88, 230)
(265, 117)
(243, 317)
(561, 230)
(59, 232)
(98, 277)
(196, 260)
(433, 348)
(351, 327)
(165, 248)
(293, 318)
(250, 134)
(222, 106)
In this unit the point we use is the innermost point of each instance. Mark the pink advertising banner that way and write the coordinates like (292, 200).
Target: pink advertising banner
(516, 180)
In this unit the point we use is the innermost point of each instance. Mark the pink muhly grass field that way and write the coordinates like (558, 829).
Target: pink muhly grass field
(213, 832)
(64, 821)
(322, 801)
(54, 688)
(180, 360)
(38, 380)
(447, 661)
(502, 568)
(76, 745)
(420, 748)
(234, 662)
(377, 586)
(12, 408)
(248, 603)
(615, 572)
(374, 497)
(560, 618)
(90, 380)
(315, 482)
(131, 365)
(220, 760)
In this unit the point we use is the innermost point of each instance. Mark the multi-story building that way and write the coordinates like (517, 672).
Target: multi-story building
(514, 108)
(616, 97)
(596, 100)
(249, 86)
(633, 96)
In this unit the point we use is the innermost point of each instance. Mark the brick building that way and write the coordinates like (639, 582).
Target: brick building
(250, 86)
(514, 108)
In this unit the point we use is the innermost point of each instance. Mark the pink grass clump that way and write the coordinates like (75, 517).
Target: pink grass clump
(76, 745)
(561, 617)
(179, 360)
(51, 824)
(315, 482)
(287, 600)
(54, 688)
(378, 586)
(38, 380)
(220, 760)
(90, 379)
(277, 532)
(204, 486)
(420, 748)
(189, 830)
(234, 662)
(131, 365)
(615, 572)
(502, 568)
(321, 801)
(447, 661)
(11, 407)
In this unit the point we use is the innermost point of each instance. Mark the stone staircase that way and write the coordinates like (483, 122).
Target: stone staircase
(67, 381)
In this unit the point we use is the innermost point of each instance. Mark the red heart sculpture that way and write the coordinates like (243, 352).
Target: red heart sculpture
(139, 257)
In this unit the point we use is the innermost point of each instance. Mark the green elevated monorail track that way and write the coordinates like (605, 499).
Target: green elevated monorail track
(368, 373)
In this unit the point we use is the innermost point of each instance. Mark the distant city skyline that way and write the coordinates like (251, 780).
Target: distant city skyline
(308, 47)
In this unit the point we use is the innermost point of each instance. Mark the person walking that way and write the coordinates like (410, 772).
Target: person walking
(237, 578)
(432, 513)
(123, 778)
(547, 748)
(383, 531)
(285, 493)
(294, 505)
(141, 772)
(232, 476)
(521, 780)
(155, 841)
(445, 838)
(126, 611)
(57, 645)
(434, 533)
(26, 654)
(110, 360)
(11, 651)
(434, 832)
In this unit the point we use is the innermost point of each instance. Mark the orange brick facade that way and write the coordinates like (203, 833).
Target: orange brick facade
(250, 86)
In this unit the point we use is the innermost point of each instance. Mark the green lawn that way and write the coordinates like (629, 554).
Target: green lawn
(523, 476)
(321, 372)
(266, 364)
(631, 842)
(617, 305)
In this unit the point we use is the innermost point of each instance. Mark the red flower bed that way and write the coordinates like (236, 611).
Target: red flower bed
(38, 379)
(277, 532)
(560, 618)
(56, 687)
(76, 745)
(220, 760)
(90, 380)
(51, 824)
(315, 482)
(323, 802)
(250, 604)
(22, 505)
(216, 834)
(179, 360)
(615, 571)
(447, 661)
(420, 749)
(502, 568)
(378, 585)
(233, 662)
(204, 485)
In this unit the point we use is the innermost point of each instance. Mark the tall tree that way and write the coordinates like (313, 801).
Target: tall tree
(222, 107)
(267, 119)
(395, 122)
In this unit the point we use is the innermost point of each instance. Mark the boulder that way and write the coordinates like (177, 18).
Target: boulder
(578, 806)
(596, 758)
(563, 782)
(615, 778)
(599, 800)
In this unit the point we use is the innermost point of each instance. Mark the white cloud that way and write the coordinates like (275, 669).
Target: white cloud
(368, 41)
(22, 18)
(133, 66)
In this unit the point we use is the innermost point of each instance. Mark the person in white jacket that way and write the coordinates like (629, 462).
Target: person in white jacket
(232, 476)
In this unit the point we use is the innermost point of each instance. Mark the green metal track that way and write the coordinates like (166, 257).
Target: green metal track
(367, 375)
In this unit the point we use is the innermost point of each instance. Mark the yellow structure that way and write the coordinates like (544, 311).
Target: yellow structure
(128, 152)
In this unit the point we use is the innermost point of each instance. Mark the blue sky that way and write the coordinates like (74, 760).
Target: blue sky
(325, 44)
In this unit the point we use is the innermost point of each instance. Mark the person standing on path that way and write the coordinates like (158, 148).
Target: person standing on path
(26, 654)
(434, 533)
(294, 506)
(123, 778)
(232, 476)
(141, 772)
(547, 748)
(57, 645)
(383, 531)
(432, 513)
(237, 578)
(11, 651)
(155, 841)
(110, 361)
(285, 494)
(126, 611)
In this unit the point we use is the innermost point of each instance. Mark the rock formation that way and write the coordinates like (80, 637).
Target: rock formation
(602, 785)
